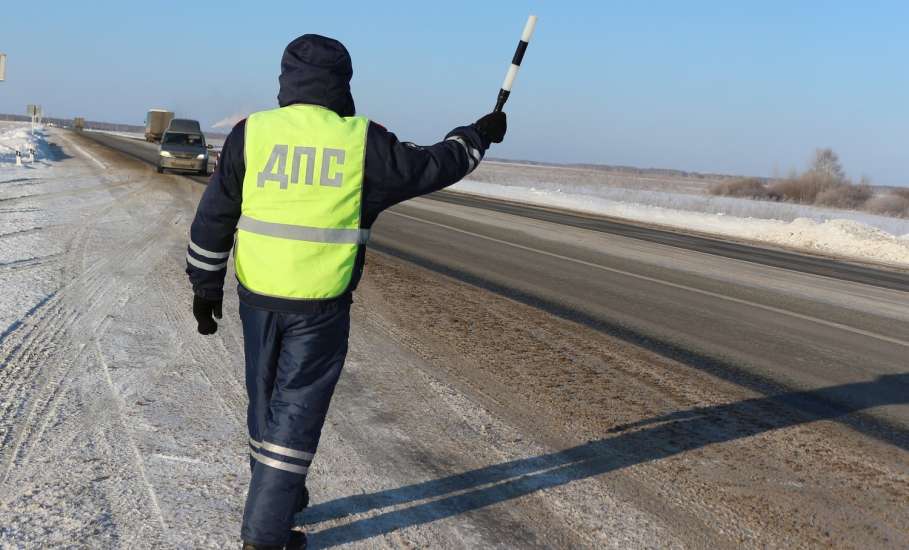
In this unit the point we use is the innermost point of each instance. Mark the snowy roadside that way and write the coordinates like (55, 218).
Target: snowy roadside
(17, 137)
(120, 427)
(849, 235)
(27, 256)
(93, 385)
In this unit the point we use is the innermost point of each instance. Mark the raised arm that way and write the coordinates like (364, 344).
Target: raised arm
(397, 171)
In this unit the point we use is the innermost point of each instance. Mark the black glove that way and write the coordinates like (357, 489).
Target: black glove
(203, 310)
(492, 127)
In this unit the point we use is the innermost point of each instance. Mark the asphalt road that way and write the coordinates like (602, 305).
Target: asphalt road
(766, 256)
(766, 319)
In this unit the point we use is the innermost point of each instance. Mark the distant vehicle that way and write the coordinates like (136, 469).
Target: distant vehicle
(79, 124)
(183, 148)
(156, 123)
(184, 125)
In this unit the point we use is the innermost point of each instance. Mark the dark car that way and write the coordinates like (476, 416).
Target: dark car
(183, 148)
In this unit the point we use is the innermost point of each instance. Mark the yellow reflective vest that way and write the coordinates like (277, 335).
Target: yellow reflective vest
(299, 229)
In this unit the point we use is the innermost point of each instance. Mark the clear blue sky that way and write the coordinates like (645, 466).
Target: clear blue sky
(711, 86)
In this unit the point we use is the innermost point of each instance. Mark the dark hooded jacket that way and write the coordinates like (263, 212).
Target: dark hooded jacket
(317, 70)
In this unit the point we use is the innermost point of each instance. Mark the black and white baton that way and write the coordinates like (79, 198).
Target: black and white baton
(515, 63)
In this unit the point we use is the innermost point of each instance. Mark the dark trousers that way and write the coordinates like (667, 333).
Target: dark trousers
(293, 361)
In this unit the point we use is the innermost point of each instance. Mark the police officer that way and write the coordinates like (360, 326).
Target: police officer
(295, 194)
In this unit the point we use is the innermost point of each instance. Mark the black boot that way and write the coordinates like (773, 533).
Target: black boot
(297, 541)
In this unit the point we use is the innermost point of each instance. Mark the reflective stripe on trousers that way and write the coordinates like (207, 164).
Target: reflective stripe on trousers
(293, 361)
(280, 457)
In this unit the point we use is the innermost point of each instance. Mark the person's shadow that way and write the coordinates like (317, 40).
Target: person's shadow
(647, 440)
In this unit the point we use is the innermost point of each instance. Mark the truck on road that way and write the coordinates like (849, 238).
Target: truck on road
(156, 123)
(79, 123)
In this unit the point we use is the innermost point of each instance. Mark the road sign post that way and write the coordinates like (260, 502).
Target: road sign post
(34, 111)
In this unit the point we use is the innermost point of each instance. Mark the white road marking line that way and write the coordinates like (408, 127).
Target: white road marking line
(801, 316)
(85, 153)
(186, 459)
(631, 223)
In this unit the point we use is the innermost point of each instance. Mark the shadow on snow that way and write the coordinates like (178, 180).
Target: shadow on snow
(628, 445)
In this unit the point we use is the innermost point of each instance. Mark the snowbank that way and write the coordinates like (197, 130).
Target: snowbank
(852, 235)
(18, 137)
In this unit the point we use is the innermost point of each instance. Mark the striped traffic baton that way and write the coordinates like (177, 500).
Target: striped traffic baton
(515, 63)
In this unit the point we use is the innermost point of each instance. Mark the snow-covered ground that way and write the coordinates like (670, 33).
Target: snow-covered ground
(841, 233)
(16, 136)
(121, 427)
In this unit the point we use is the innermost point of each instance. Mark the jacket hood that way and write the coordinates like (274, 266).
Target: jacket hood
(317, 70)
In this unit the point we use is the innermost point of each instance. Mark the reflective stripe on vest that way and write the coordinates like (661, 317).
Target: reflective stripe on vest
(299, 232)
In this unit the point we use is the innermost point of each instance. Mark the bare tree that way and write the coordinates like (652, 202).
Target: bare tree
(827, 164)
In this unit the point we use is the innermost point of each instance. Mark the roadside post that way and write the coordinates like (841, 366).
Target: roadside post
(32, 111)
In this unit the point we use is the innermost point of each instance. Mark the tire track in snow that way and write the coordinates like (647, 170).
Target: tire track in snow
(75, 252)
(18, 322)
(23, 356)
(19, 180)
(63, 193)
(97, 317)
(139, 463)
(62, 312)
(42, 411)
(209, 355)
(16, 265)
(22, 232)
(59, 342)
